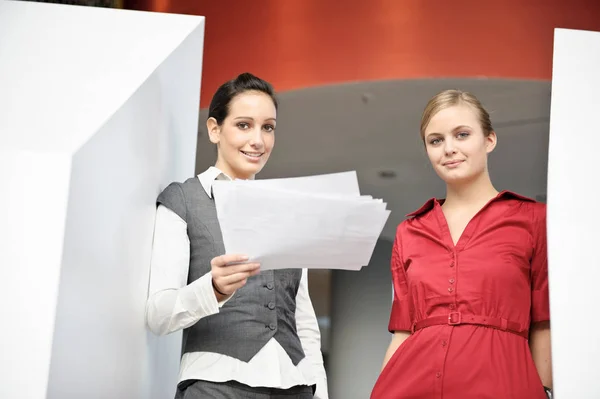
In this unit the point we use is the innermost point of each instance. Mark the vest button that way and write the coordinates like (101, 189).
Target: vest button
(271, 305)
(272, 326)
(270, 286)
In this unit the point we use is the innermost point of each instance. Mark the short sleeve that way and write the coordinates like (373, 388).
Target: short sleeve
(172, 197)
(540, 298)
(400, 319)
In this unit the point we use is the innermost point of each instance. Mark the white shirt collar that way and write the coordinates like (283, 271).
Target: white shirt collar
(208, 177)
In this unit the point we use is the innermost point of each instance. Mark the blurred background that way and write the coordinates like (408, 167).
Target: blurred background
(353, 79)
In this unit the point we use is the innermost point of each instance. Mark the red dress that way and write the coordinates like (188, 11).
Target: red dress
(468, 305)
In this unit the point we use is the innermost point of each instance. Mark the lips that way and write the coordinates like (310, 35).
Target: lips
(452, 163)
(252, 155)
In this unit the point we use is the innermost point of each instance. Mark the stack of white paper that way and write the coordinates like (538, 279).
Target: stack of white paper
(318, 222)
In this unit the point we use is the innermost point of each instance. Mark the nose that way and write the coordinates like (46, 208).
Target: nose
(449, 147)
(256, 138)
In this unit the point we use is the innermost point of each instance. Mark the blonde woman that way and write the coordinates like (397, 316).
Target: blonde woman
(470, 315)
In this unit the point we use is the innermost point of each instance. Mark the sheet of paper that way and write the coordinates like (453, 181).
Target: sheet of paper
(343, 183)
(287, 226)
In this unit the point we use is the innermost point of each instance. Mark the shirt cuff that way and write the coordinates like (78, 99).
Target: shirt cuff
(540, 305)
(400, 316)
(205, 293)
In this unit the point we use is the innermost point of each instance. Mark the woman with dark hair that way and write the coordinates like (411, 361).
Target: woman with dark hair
(246, 333)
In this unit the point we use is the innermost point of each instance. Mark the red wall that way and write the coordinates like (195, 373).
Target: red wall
(300, 43)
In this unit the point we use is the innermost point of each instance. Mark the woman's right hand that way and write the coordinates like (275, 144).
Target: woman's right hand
(229, 273)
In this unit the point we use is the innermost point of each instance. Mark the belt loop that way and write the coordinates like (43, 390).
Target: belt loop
(503, 324)
(413, 327)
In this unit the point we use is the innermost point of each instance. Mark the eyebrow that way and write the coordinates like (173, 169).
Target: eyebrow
(453, 130)
(251, 118)
(461, 127)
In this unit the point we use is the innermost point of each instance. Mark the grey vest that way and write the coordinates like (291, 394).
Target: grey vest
(264, 308)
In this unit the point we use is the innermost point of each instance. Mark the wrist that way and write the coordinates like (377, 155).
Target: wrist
(218, 293)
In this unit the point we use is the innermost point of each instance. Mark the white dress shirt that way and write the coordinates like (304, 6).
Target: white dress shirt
(174, 305)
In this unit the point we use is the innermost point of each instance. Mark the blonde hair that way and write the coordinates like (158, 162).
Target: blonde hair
(450, 98)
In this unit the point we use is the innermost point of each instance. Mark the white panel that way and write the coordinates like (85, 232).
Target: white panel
(98, 113)
(116, 178)
(74, 67)
(32, 214)
(573, 218)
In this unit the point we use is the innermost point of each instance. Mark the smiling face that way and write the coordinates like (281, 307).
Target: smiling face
(457, 145)
(246, 136)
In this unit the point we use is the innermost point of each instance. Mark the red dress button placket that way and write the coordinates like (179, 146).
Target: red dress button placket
(452, 279)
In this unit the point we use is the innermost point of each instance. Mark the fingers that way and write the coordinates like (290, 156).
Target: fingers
(232, 282)
(229, 274)
(234, 287)
(235, 279)
(225, 260)
(241, 271)
(242, 268)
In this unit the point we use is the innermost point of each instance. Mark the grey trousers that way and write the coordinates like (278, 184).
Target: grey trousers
(235, 390)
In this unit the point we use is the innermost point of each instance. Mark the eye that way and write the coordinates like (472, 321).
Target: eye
(269, 128)
(462, 135)
(243, 125)
(435, 141)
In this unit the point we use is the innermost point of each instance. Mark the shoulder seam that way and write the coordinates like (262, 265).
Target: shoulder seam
(179, 186)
